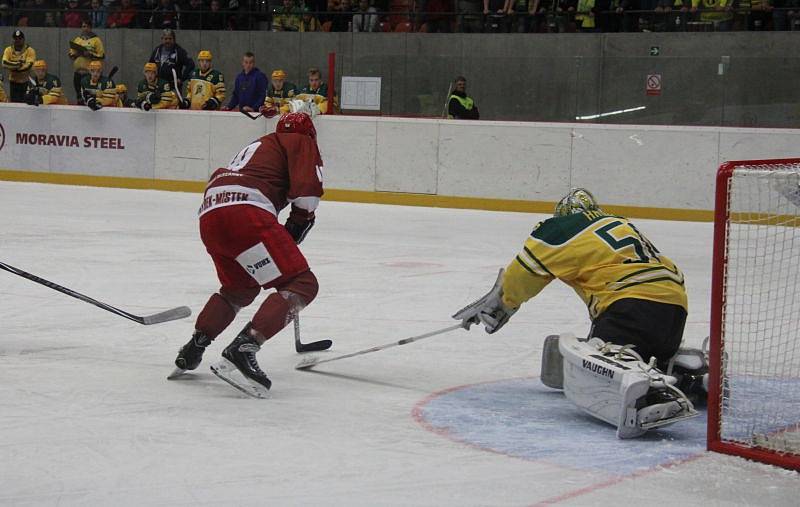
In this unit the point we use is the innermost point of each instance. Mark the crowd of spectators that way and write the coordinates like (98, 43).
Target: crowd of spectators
(171, 79)
(470, 16)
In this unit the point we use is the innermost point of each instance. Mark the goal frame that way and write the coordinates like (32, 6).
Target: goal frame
(715, 442)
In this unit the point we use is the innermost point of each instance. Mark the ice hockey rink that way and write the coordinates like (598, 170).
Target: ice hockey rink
(87, 416)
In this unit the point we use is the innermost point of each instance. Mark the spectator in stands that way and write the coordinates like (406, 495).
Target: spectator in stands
(287, 18)
(718, 12)
(341, 18)
(565, 15)
(192, 15)
(5, 20)
(460, 106)
(37, 16)
(73, 17)
(585, 16)
(166, 15)
(216, 19)
(316, 90)
(310, 22)
(760, 13)
(84, 49)
(169, 56)
(18, 58)
(626, 10)
(366, 18)
(437, 15)
(495, 13)
(98, 14)
(469, 16)
(44, 88)
(250, 87)
(786, 14)
(124, 16)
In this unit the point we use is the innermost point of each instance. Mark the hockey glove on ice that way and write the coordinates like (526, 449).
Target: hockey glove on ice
(488, 310)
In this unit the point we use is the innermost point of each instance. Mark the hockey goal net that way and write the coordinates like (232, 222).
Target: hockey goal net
(754, 384)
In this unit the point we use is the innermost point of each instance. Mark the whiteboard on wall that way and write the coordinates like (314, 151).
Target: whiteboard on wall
(361, 93)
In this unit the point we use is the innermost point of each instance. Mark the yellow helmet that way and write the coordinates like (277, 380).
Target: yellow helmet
(204, 55)
(121, 88)
(40, 64)
(278, 74)
(577, 200)
(150, 66)
(95, 65)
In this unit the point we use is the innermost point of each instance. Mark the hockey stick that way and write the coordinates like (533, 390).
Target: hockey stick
(114, 70)
(157, 318)
(250, 115)
(302, 348)
(314, 361)
(177, 90)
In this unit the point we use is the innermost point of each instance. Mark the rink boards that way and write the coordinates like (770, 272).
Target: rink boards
(641, 171)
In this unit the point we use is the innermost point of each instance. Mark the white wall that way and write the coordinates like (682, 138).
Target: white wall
(652, 166)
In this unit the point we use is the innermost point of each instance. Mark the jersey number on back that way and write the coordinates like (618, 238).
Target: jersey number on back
(243, 157)
(643, 248)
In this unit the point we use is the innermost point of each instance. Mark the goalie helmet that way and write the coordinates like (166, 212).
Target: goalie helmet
(297, 123)
(577, 200)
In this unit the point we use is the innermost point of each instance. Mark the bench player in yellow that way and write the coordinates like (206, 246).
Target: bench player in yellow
(638, 305)
(154, 92)
(44, 88)
(206, 87)
(97, 90)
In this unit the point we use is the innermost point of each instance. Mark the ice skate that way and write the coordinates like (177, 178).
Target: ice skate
(240, 368)
(190, 355)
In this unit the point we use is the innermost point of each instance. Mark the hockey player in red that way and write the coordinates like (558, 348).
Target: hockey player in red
(251, 250)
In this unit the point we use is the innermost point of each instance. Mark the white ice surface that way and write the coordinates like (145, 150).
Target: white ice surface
(88, 418)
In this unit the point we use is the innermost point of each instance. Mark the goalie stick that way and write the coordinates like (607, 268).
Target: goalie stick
(311, 362)
(157, 318)
(302, 348)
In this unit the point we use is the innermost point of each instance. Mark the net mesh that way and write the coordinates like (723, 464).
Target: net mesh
(761, 319)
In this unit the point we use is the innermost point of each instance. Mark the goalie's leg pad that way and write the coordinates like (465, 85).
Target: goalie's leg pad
(610, 383)
(552, 374)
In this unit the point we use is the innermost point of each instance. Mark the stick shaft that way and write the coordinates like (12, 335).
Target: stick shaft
(384, 347)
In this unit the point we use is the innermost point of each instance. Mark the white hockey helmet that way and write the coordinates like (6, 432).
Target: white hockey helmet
(577, 200)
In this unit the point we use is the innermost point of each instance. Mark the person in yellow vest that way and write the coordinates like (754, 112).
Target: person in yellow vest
(97, 90)
(280, 92)
(154, 92)
(459, 105)
(584, 16)
(18, 59)
(44, 88)
(206, 87)
(719, 12)
(84, 49)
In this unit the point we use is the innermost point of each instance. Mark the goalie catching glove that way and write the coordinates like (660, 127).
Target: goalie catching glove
(488, 310)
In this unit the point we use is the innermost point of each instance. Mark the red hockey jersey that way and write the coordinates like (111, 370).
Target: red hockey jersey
(269, 173)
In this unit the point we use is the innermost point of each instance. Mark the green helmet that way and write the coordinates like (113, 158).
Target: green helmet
(577, 200)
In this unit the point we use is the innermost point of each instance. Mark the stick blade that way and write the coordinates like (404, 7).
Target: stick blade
(302, 348)
(166, 316)
(307, 363)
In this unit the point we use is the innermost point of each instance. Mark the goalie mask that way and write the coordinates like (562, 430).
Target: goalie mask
(577, 200)
(297, 123)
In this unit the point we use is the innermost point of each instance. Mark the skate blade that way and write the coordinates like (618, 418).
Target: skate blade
(176, 373)
(230, 374)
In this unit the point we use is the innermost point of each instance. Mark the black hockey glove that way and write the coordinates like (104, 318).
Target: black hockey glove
(185, 104)
(298, 229)
(93, 104)
(211, 105)
(33, 99)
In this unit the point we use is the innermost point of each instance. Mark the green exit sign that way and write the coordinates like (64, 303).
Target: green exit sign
(655, 50)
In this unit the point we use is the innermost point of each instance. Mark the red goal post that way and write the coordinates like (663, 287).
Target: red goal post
(754, 353)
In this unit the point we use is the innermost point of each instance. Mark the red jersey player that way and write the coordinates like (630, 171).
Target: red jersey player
(251, 250)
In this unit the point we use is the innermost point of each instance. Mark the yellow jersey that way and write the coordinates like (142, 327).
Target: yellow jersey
(604, 258)
(18, 63)
(203, 87)
(84, 50)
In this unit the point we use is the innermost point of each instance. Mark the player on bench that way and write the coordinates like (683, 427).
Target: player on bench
(630, 372)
